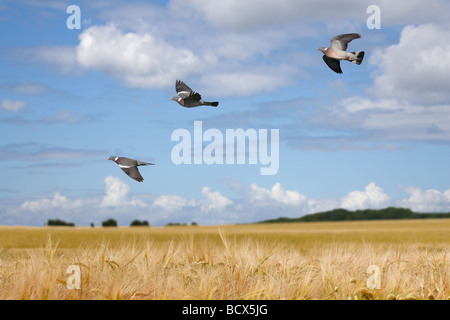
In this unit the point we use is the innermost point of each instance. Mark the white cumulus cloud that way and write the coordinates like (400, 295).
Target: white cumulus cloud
(372, 197)
(117, 194)
(58, 201)
(416, 68)
(172, 203)
(430, 200)
(141, 59)
(276, 194)
(213, 200)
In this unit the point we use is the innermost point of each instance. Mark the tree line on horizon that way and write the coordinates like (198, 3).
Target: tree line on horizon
(390, 213)
(113, 223)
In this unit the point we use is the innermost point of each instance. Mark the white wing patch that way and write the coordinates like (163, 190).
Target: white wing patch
(125, 167)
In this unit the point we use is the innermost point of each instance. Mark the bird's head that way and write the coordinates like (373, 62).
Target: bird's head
(113, 158)
(322, 49)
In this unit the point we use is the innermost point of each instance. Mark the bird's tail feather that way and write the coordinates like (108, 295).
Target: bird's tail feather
(212, 104)
(140, 163)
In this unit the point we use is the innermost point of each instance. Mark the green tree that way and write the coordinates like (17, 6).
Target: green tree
(109, 223)
(137, 223)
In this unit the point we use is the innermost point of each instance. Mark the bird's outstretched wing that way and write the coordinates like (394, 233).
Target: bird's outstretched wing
(183, 89)
(333, 64)
(194, 97)
(341, 41)
(134, 173)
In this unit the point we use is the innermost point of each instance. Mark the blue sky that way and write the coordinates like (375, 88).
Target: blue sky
(377, 135)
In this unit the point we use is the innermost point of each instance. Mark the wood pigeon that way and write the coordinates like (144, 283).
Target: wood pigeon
(337, 52)
(129, 166)
(188, 98)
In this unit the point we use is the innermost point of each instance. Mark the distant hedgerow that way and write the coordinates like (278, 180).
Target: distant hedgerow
(138, 223)
(58, 222)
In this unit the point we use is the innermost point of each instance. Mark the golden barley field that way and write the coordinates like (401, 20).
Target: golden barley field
(325, 260)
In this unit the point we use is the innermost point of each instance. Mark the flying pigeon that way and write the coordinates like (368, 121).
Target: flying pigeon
(129, 166)
(188, 98)
(337, 52)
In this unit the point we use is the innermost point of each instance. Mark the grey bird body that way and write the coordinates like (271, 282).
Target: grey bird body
(188, 98)
(337, 51)
(129, 166)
